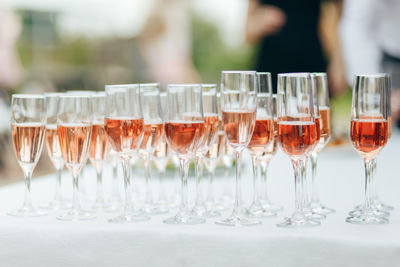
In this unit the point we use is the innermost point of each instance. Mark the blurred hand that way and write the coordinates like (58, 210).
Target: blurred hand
(336, 77)
(271, 19)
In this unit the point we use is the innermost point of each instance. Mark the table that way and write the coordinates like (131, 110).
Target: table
(48, 242)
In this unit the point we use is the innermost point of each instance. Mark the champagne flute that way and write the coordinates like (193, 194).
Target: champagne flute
(211, 124)
(28, 120)
(125, 127)
(369, 134)
(99, 148)
(239, 106)
(262, 138)
(297, 134)
(184, 131)
(322, 96)
(54, 150)
(268, 153)
(153, 132)
(74, 128)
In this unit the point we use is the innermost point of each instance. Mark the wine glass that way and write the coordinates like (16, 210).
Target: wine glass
(153, 133)
(211, 123)
(28, 122)
(322, 95)
(160, 159)
(239, 106)
(268, 153)
(262, 138)
(297, 134)
(99, 148)
(74, 128)
(54, 151)
(184, 131)
(369, 134)
(124, 126)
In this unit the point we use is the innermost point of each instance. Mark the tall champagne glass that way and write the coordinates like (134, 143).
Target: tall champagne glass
(74, 128)
(297, 134)
(28, 120)
(262, 138)
(267, 156)
(124, 126)
(99, 148)
(239, 106)
(54, 151)
(211, 123)
(153, 133)
(184, 131)
(369, 134)
(322, 93)
(160, 159)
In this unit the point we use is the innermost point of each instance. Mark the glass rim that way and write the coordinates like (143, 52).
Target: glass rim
(372, 75)
(122, 85)
(238, 72)
(264, 94)
(209, 85)
(319, 74)
(52, 94)
(98, 95)
(29, 96)
(183, 85)
(294, 74)
(150, 84)
(74, 96)
(264, 73)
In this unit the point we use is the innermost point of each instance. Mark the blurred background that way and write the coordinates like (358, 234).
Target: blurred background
(48, 45)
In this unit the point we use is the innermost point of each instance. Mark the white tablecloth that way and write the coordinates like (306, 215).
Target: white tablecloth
(48, 242)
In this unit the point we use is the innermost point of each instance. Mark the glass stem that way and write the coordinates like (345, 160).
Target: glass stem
(127, 184)
(184, 207)
(210, 191)
(314, 195)
(99, 194)
(199, 174)
(298, 167)
(368, 163)
(373, 186)
(116, 193)
(227, 185)
(162, 196)
(304, 184)
(27, 179)
(237, 209)
(264, 186)
(75, 193)
(58, 196)
(256, 176)
(148, 198)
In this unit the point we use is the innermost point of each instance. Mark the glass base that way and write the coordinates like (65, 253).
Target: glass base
(212, 205)
(235, 220)
(129, 218)
(100, 207)
(312, 215)
(366, 219)
(27, 212)
(57, 205)
(185, 218)
(155, 209)
(268, 206)
(377, 204)
(317, 207)
(76, 215)
(257, 211)
(298, 220)
(373, 212)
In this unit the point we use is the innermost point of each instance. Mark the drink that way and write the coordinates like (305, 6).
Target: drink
(74, 142)
(162, 149)
(98, 149)
(369, 136)
(317, 129)
(217, 149)
(183, 135)
(238, 126)
(151, 136)
(262, 135)
(124, 134)
(28, 141)
(325, 125)
(53, 145)
(296, 137)
(211, 126)
(389, 120)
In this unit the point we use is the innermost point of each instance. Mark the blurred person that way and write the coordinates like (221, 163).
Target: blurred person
(297, 36)
(370, 37)
(166, 43)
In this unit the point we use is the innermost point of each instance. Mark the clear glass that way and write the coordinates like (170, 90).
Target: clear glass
(369, 134)
(153, 134)
(184, 131)
(124, 126)
(211, 120)
(262, 138)
(115, 200)
(74, 127)
(28, 122)
(227, 158)
(54, 152)
(99, 147)
(297, 135)
(239, 106)
(268, 153)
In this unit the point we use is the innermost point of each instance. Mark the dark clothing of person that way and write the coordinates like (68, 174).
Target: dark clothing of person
(296, 47)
